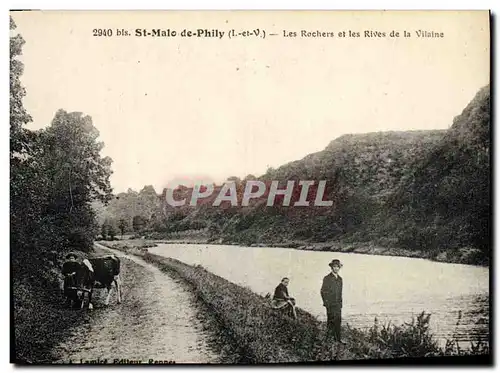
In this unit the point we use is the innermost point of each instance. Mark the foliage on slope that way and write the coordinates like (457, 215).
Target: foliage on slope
(426, 191)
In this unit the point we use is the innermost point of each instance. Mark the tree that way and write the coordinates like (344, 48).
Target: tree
(77, 176)
(27, 183)
(111, 232)
(138, 223)
(145, 203)
(104, 231)
(19, 136)
(122, 225)
(108, 229)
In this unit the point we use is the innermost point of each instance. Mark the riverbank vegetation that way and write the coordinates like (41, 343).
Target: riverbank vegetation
(267, 336)
(55, 175)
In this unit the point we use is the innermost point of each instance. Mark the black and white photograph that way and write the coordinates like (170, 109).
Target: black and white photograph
(251, 187)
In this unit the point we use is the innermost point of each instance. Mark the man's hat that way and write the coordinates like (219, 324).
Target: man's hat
(70, 254)
(335, 262)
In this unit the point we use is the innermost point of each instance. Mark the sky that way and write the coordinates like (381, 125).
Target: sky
(208, 108)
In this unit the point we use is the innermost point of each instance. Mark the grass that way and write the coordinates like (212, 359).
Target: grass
(39, 319)
(267, 336)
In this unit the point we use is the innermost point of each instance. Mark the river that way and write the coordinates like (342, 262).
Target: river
(390, 288)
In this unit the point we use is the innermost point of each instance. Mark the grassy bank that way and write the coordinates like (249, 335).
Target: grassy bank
(267, 336)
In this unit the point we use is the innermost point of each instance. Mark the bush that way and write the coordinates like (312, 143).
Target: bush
(411, 339)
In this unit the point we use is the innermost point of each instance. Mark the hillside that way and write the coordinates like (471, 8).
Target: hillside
(426, 191)
(445, 203)
(125, 206)
(360, 171)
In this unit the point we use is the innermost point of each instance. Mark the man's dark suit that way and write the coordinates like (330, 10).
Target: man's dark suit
(331, 292)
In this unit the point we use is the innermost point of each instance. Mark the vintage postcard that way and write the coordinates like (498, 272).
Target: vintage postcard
(250, 187)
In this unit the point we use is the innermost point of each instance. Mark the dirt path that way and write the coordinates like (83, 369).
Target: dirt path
(157, 320)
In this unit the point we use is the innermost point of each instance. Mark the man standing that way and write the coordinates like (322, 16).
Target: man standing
(331, 292)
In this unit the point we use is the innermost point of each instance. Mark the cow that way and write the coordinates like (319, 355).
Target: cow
(99, 272)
